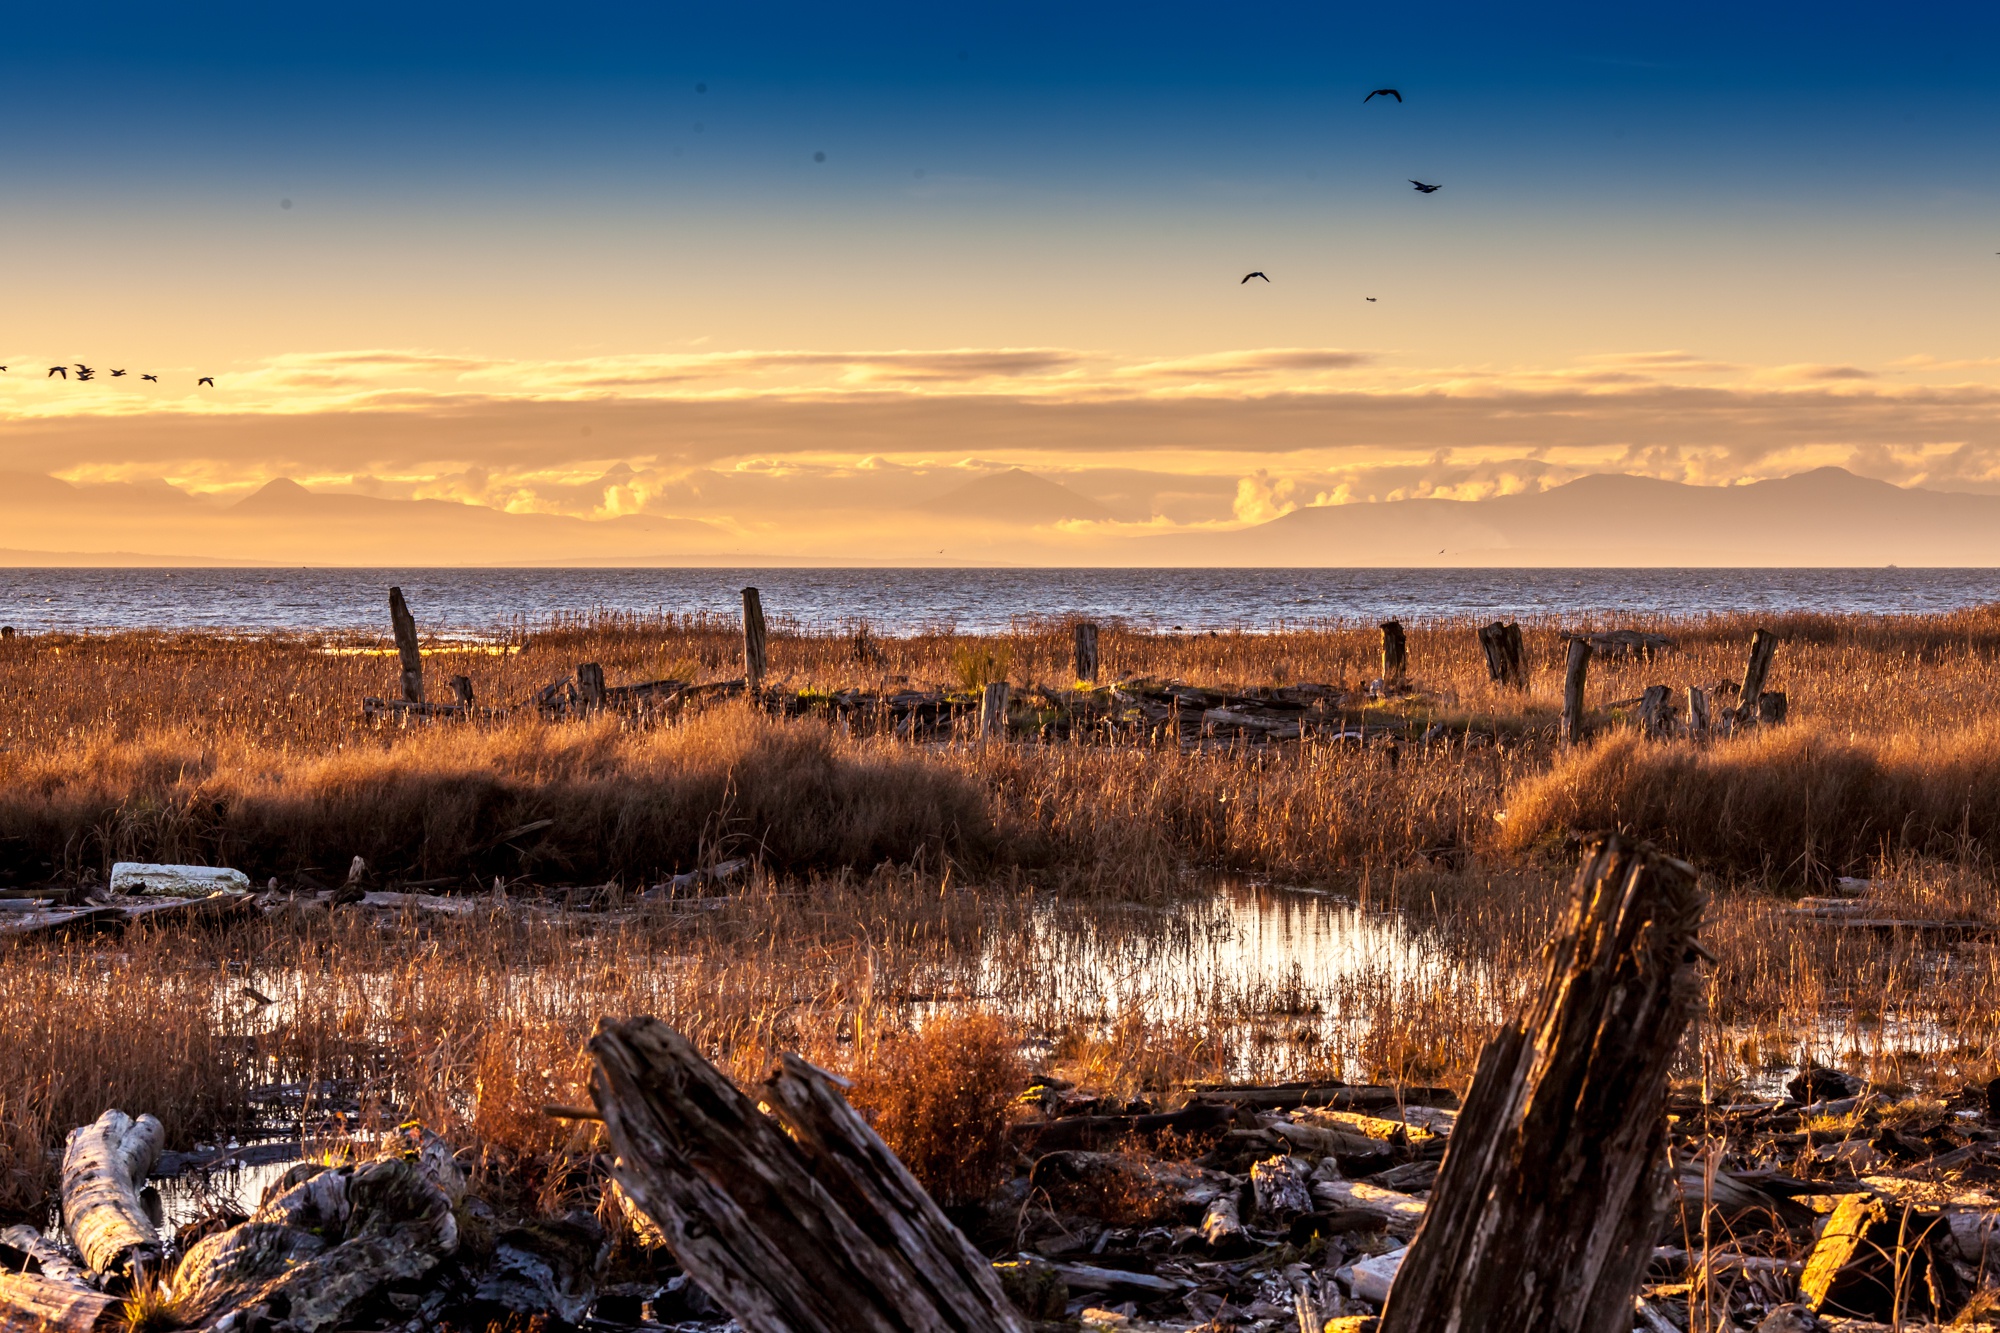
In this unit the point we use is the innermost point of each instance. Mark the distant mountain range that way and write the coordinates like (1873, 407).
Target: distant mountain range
(1827, 517)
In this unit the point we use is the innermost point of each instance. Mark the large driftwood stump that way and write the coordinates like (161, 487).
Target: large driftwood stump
(820, 1230)
(1086, 652)
(1544, 1213)
(411, 656)
(1395, 651)
(1763, 647)
(105, 1163)
(1505, 664)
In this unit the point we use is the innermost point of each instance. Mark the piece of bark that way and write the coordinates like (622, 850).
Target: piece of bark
(1546, 1208)
(105, 1163)
(315, 1252)
(31, 1303)
(820, 1230)
(1280, 1190)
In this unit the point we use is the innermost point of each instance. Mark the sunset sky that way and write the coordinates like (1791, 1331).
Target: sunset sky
(792, 269)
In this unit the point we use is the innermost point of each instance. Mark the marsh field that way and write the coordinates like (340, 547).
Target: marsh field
(1136, 910)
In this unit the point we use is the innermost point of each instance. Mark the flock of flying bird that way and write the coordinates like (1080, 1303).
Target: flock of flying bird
(86, 373)
(1422, 188)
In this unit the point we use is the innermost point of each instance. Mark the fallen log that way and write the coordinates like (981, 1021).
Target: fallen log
(1092, 1131)
(819, 1230)
(30, 1303)
(104, 1165)
(1552, 1191)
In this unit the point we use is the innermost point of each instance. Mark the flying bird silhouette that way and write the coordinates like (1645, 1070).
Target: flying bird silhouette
(154, 378)
(209, 380)
(116, 373)
(1383, 92)
(1426, 189)
(1369, 298)
(84, 372)
(58, 370)
(1248, 276)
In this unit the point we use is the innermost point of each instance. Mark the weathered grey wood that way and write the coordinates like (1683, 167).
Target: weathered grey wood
(30, 1303)
(1505, 664)
(1574, 675)
(993, 711)
(1771, 708)
(590, 685)
(1395, 651)
(1086, 651)
(754, 663)
(1656, 712)
(412, 657)
(1698, 722)
(461, 690)
(819, 1230)
(1763, 646)
(1553, 1190)
(104, 1165)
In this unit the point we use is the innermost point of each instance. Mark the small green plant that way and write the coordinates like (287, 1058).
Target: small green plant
(974, 664)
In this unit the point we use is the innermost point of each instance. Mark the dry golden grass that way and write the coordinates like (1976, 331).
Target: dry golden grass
(942, 1098)
(253, 751)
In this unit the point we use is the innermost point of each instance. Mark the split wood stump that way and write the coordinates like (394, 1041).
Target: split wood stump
(1545, 1210)
(1763, 646)
(1395, 651)
(1505, 662)
(1656, 712)
(993, 711)
(412, 657)
(816, 1230)
(590, 685)
(1086, 652)
(754, 663)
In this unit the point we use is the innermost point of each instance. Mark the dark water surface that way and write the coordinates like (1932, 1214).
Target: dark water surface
(478, 601)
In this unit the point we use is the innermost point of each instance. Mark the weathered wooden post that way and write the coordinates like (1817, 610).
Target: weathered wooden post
(590, 685)
(753, 641)
(461, 689)
(1086, 651)
(1763, 645)
(1504, 662)
(1697, 711)
(1551, 1194)
(405, 626)
(1395, 651)
(1573, 679)
(1656, 712)
(993, 711)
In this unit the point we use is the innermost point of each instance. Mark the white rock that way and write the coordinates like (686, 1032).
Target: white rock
(1370, 1278)
(138, 878)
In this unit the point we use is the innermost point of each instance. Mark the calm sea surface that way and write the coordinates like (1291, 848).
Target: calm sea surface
(478, 601)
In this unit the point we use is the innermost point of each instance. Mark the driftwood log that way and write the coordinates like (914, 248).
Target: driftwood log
(105, 1163)
(819, 1230)
(412, 657)
(30, 1303)
(1553, 1190)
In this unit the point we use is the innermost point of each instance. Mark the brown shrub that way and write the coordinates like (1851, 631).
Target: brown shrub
(1792, 802)
(943, 1098)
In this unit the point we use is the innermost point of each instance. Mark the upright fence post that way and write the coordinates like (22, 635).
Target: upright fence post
(1086, 652)
(1573, 679)
(1545, 1211)
(993, 712)
(753, 641)
(405, 626)
(1763, 646)
(1395, 651)
(1504, 663)
(1697, 711)
(590, 685)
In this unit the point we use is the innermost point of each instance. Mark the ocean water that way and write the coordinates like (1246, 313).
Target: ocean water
(891, 601)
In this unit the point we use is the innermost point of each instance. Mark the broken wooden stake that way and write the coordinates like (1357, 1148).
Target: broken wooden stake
(1552, 1191)
(796, 1221)
(1763, 645)
(1656, 713)
(461, 690)
(1395, 651)
(993, 711)
(1504, 662)
(590, 685)
(753, 641)
(412, 657)
(104, 1165)
(1086, 652)
(1698, 722)
(1574, 675)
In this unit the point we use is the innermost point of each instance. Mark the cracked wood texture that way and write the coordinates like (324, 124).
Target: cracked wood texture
(820, 1230)
(1545, 1210)
(105, 1164)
